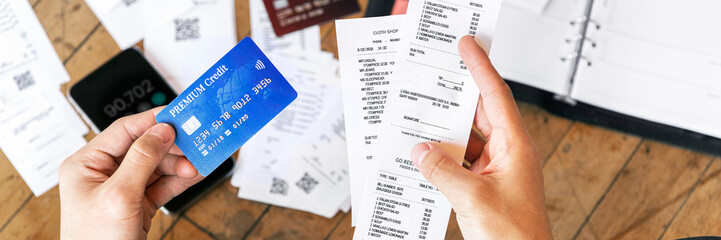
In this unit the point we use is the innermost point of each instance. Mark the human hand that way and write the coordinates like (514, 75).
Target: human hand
(500, 196)
(112, 187)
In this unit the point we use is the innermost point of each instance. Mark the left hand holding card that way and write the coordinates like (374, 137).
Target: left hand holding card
(227, 105)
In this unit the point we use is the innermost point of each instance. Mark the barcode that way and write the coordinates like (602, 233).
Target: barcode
(24, 80)
(307, 183)
(186, 29)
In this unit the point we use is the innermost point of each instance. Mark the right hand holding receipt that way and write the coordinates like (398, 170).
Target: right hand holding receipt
(500, 196)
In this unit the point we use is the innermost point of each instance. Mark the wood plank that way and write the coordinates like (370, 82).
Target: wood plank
(546, 129)
(701, 214)
(184, 229)
(223, 214)
(580, 171)
(647, 193)
(285, 223)
(242, 19)
(161, 224)
(454, 231)
(67, 24)
(13, 191)
(39, 219)
(343, 230)
(98, 49)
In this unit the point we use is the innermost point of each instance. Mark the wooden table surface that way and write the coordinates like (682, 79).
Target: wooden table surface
(600, 183)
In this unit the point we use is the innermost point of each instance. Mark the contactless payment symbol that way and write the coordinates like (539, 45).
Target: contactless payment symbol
(191, 125)
(259, 65)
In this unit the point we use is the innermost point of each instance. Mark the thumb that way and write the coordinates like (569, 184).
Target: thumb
(443, 172)
(144, 156)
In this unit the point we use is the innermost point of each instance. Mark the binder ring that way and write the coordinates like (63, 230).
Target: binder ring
(574, 38)
(575, 55)
(578, 20)
(591, 41)
(569, 56)
(595, 23)
(578, 37)
(584, 19)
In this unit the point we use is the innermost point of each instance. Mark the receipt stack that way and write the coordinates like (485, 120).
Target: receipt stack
(38, 127)
(299, 160)
(404, 83)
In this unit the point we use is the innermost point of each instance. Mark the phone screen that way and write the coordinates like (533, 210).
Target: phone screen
(124, 86)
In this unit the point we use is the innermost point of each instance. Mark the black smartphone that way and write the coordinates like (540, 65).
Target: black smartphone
(126, 85)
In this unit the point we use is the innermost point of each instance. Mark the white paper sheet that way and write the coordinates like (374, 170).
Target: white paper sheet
(528, 47)
(129, 21)
(656, 61)
(366, 48)
(254, 173)
(534, 5)
(37, 132)
(27, 59)
(317, 164)
(38, 127)
(433, 98)
(182, 57)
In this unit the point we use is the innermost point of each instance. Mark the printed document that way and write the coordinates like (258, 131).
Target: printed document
(38, 127)
(432, 99)
(130, 20)
(182, 49)
(367, 49)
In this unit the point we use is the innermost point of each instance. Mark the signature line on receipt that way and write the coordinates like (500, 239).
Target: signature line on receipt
(434, 125)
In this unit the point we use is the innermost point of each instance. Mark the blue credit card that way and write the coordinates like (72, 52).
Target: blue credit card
(227, 105)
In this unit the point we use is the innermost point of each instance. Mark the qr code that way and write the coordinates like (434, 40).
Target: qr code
(186, 29)
(24, 80)
(307, 183)
(129, 2)
(279, 187)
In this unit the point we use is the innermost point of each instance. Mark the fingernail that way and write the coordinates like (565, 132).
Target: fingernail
(418, 153)
(162, 131)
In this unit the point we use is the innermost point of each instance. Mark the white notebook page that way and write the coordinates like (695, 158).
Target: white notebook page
(657, 60)
(528, 45)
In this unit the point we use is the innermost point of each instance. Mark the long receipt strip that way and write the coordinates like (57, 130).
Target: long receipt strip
(366, 48)
(432, 98)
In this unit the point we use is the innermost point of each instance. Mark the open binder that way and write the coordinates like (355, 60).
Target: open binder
(646, 67)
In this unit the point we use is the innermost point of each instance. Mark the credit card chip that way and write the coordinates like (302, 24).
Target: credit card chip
(191, 125)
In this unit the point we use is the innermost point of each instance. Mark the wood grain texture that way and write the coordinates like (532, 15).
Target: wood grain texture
(580, 172)
(184, 229)
(223, 214)
(701, 215)
(67, 24)
(34, 2)
(13, 191)
(38, 219)
(285, 223)
(242, 19)
(546, 129)
(98, 49)
(454, 231)
(161, 225)
(647, 193)
(343, 230)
